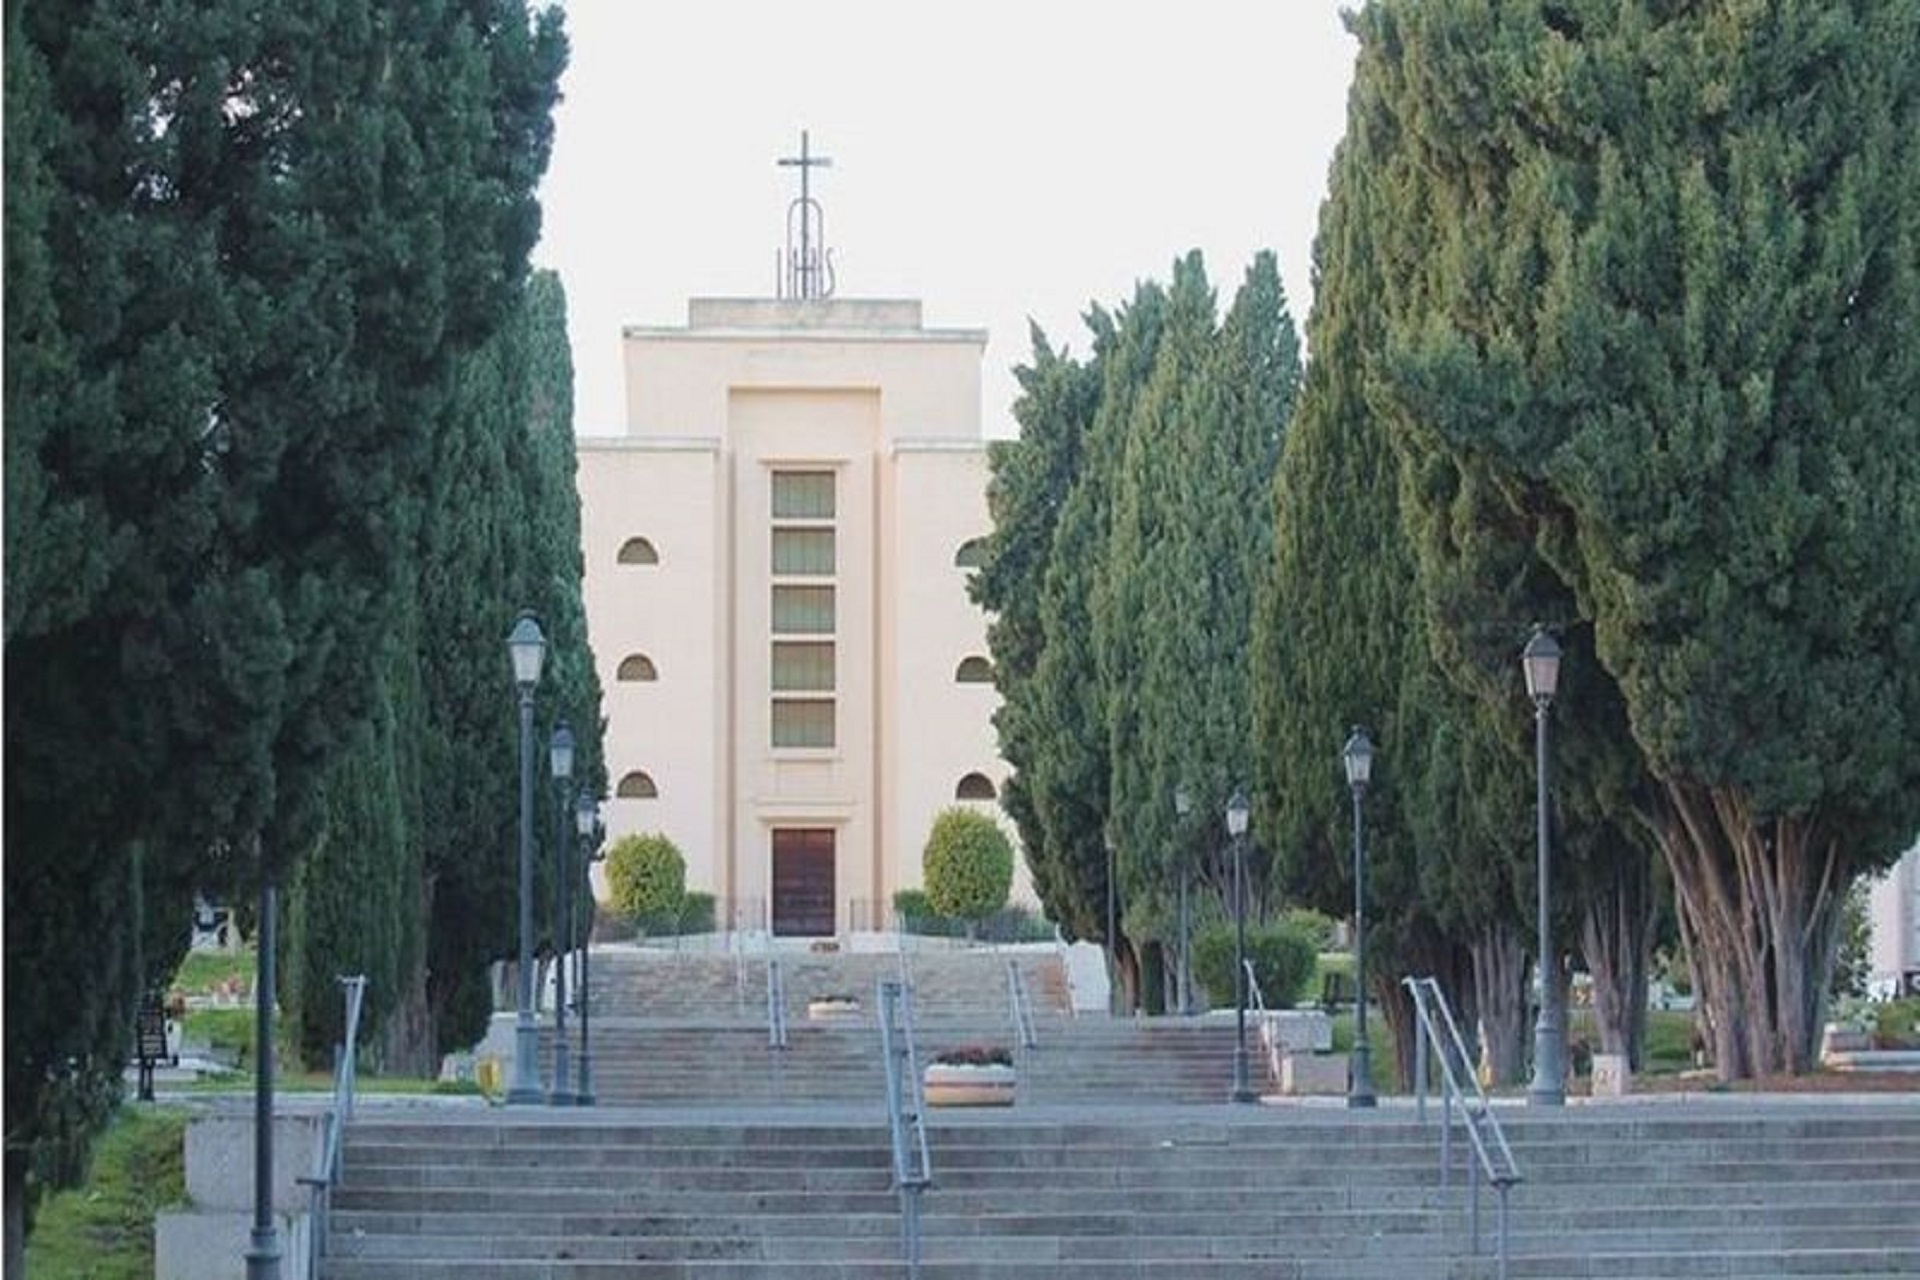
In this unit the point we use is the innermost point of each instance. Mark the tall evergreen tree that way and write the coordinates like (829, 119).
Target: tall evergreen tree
(265, 233)
(1667, 264)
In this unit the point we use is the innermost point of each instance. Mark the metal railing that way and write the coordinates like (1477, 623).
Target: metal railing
(1019, 1006)
(1439, 1035)
(326, 1161)
(776, 1005)
(1269, 1033)
(912, 1167)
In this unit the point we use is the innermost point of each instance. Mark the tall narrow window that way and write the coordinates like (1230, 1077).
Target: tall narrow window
(803, 495)
(803, 552)
(803, 611)
(803, 722)
(801, 673)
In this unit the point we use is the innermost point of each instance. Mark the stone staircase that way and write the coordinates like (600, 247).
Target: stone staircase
(948, 982)
(1629, 1191)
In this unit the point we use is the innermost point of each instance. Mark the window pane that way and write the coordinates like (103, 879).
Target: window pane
(803, 495)
(802, 724)
(806, 668)
(803, 611)
(803, 551)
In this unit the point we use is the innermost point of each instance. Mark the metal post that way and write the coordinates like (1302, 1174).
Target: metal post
(263, 1250)
(1241, 1091)
(1549, 1039)
(525, 1086)
(1113, 941)
(562, 1095)
(1186, 944)
(583, 1096)
(1360, 1083)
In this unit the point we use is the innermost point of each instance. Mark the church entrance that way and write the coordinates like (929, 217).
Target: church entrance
(803, 902)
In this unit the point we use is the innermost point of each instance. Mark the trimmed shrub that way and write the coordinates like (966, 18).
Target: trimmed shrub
(647, 880)
(1283, 962)
(697, 912)
(967, 865)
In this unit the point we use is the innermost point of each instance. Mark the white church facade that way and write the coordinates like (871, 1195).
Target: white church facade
(777, 551)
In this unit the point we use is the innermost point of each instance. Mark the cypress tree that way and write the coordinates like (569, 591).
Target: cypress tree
(1658, 304)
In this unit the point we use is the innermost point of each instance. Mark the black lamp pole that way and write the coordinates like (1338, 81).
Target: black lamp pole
(528, 649)
(560, 762)
(1182, 806)
(263, 1246)
(1540, 661)
(586, 824)
(1358, 757)
(1237, 831)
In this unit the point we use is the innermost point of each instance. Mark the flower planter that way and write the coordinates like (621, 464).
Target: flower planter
(829, 1008)
(946, 1085)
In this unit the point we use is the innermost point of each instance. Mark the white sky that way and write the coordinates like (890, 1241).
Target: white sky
(997, 160)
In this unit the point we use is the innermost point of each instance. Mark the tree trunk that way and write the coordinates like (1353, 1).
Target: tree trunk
(1616, 940)
(1500, 992)
(1759, 901)
(407, 1041)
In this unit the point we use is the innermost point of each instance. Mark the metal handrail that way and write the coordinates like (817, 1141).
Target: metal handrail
(1493, 1158)
(1019, 1006)
(327, 1160)
(776, 1004)
(1268, 1039)
(912, 1166)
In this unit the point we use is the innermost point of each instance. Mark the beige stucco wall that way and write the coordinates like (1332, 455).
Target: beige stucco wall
(749, 387)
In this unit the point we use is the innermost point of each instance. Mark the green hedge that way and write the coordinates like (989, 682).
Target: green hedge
(1284, 960)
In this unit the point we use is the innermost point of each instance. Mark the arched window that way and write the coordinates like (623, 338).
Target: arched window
(974, 669)
(638, 551)
(637, 666)
(637, 785)
(975, 786)
(972, 553)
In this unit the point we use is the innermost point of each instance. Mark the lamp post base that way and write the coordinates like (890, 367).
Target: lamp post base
(1241, 1091)
(263, 1254)
(1360, 1085)
(524, 1089)
(1548, 1087)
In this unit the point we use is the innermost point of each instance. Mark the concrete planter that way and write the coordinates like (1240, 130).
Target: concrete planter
(827, 1010)
(967, 1086)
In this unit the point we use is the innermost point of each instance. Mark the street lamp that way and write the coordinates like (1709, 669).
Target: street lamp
(1540, 661)
(586, 824)
(1182, 806)
(1237, 830)
(560, 760)
(1358, 757)
(528, 649)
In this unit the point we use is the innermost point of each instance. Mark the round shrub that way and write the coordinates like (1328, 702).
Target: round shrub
(967, 864)
(647, 878)
(1283, 962)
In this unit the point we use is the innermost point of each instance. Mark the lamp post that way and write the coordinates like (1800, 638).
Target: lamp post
(1358, 757)
(1540, 661)
(528, 649)
(586, 824)
(1237, 831)
(263, 1245)
(1113, 926)
(560, 762)
(1182, 806)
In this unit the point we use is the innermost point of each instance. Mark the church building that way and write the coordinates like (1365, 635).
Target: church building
(777, 552)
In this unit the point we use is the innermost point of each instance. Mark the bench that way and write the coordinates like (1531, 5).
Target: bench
(150, 1042)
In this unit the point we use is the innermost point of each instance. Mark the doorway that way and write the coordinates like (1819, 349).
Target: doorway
(803, 900)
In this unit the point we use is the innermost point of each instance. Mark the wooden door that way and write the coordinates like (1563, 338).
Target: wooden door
(803, 901)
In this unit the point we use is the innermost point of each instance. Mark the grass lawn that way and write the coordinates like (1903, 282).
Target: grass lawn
(104, 1230)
